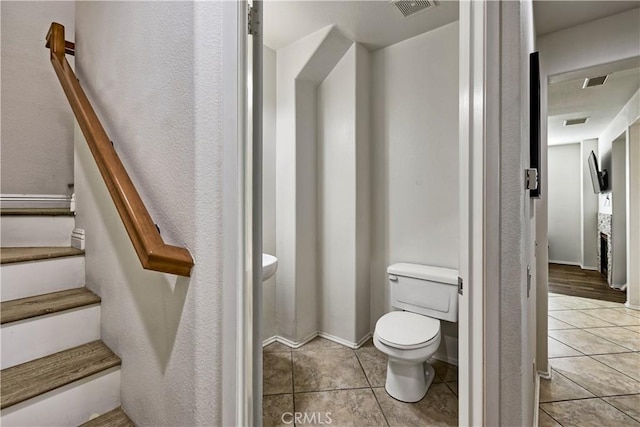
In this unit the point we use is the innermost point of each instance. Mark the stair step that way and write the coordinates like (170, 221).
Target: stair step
(35, 212)
(25, 308)
(114, 418)
(31, 379)
(12, 255)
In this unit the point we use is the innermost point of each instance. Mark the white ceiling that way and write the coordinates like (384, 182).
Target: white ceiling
(567, 100)
(552, 16)
(375, 24)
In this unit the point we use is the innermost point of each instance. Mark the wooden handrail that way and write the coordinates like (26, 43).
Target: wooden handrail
(153, 252)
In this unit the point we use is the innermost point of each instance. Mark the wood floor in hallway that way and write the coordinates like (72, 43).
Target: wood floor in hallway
(574, 281)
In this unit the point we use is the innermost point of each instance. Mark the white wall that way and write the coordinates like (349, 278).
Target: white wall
(589, 211)
(343, 197)
(619, 202)
(565, 231)
(155, 75)
(37, 122)
(633, 215)
(269, 184)
(414, 173)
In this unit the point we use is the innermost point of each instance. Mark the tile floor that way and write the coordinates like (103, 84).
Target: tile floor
(323, 376)
(594, 351)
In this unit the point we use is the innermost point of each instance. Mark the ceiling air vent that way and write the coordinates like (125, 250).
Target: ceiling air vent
(408, 7)
(579, 121)
(594, 81)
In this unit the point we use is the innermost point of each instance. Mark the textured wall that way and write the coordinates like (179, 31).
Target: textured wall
(37, 122)
(153, 73)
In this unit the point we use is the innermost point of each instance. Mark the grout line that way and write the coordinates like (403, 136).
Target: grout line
(332, 389)
(618, 409)
(550, 416)
(371, 388)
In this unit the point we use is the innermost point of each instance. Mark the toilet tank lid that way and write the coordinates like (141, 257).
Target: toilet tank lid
(425, 272)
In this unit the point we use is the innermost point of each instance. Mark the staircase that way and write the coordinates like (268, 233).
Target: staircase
(55, 369)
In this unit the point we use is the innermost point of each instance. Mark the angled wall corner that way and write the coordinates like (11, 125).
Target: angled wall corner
(301, 67)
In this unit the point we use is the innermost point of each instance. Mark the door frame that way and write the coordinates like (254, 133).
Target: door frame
(478, 197)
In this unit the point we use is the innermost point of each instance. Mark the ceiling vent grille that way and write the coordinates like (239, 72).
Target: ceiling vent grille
(409, 7)
(594, 81)
(579, 121)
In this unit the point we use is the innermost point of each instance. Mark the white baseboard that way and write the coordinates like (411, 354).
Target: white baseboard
(298, 344)
(35, 201)
(350, 344)
(631, 306)
(445, 358)
(545, 375)
(77, 238)
(586, 267)
(555, 261)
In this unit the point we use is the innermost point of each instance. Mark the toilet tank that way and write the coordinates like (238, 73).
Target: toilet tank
(430, 291)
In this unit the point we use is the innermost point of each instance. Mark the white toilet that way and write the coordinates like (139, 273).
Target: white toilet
(410, 337)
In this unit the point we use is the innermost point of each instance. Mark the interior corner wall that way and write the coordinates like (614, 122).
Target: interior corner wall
(37, 122)
(414, 176)
(565, 175)
(343, 203)
(290, 61)
(269, 184)
(167, 128)
(589, 211)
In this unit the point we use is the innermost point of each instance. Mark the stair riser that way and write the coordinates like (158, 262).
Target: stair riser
(70, 405)
(26, 279)
(27, 231)
(37, 337)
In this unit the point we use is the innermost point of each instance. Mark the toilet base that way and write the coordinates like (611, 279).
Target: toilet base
(408, 382)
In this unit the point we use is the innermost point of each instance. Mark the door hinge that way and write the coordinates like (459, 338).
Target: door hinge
(528, 280)
(253, 22)
(460, 285)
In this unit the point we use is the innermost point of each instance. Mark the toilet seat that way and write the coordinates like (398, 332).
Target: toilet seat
(406, 331)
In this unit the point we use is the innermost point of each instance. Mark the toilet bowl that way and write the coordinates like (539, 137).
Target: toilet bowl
(408, 340)
(421, 296)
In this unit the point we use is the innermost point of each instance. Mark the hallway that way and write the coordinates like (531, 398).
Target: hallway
(594, 352)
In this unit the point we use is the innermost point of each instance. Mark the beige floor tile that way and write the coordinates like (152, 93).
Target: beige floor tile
(444, 371)
(627, 363)
(635, 329)
(576, 302)
(438, 408)
(374, 363)
(605, 304)
(544, 420)
(557, 349)
(587, 413)
(320, 343)
(275, 410)
(327, 370)
(551, 295)
(614, 316)
(629, 312)
(555, 324)
(594, 376)
(340, 408)
(619, 335)
(555, 306)
(560, 387)
(453, 386)
(586, 343)
(277, 378)
(578, 319)
(276, 347)
(630, 405)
